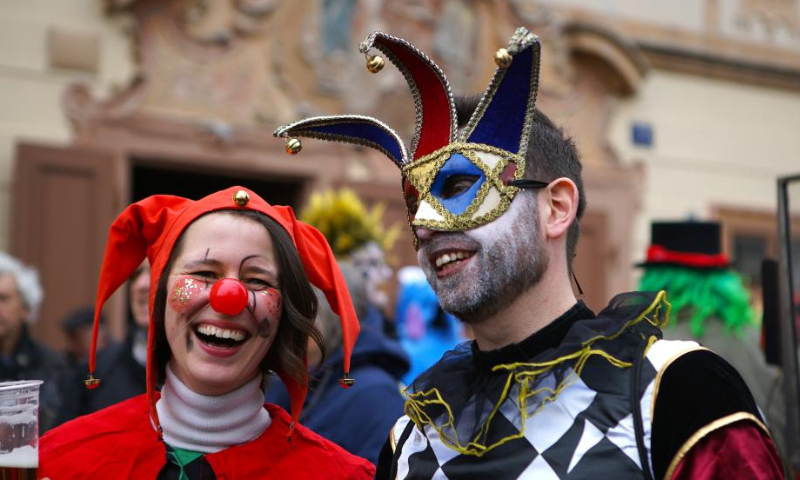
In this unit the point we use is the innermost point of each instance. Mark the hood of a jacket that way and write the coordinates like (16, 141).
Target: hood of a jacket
(373, 348)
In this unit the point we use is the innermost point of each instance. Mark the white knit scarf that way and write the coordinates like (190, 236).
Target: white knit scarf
(208, 424)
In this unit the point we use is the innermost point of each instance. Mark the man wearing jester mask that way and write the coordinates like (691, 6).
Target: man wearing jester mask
(548, 389)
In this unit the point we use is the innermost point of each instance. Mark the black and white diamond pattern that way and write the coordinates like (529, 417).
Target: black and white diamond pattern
(587, 429)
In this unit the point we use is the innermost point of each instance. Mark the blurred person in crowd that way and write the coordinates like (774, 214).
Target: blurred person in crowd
(21, 357)
(548, 388)
(78, 328)
(357, 236)
(359, 418)
(121, 365)
(231, 299)
(711, 305)
(425, 330)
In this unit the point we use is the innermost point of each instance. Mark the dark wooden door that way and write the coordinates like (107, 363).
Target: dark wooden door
(64, 202)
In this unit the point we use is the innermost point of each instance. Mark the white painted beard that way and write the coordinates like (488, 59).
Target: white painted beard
(508, 260)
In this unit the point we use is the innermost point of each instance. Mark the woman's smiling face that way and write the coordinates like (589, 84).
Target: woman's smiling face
(214, 352)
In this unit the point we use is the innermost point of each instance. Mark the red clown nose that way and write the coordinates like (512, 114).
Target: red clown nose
(228, 296)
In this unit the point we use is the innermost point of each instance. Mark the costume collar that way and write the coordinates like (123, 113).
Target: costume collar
(208, 424)
(548, 337)
(458, 399)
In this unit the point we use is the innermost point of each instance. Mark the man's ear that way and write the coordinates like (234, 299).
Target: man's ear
(562, 207)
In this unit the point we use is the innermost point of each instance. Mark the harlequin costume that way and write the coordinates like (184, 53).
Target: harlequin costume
(588, 395)
(178, 432)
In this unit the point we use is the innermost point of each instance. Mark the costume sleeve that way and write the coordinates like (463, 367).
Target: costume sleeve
(697, 395)
(740, 450)
(384, 465)
(387, 460)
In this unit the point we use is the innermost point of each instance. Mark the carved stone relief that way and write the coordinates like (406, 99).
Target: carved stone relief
(199, 61)
(227, 65)
(330, 38)
(207, 59)
(455, 40)
(772, 16)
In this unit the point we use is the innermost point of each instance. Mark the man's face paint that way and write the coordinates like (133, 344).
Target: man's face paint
(477, 273)
(461, 186)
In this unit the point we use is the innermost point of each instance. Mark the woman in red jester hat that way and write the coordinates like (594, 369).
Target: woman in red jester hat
(230, 300)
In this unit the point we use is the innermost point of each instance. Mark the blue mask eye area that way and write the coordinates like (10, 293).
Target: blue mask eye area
(457, 183)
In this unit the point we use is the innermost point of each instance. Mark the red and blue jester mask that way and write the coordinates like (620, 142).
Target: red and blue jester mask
(452, 180)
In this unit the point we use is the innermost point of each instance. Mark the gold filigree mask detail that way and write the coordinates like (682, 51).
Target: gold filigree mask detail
(461, 186)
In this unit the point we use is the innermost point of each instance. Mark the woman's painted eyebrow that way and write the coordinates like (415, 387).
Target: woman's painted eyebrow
(267, 271)
(202, 262)
(213, 262)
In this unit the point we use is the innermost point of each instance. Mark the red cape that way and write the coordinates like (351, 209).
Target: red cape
(119, 442)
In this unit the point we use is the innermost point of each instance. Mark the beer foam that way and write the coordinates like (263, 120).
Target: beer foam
(24, 457)
(18, 414)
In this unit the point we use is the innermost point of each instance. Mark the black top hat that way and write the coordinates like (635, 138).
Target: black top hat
(686, 244)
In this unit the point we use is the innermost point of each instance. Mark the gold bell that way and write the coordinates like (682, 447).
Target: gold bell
(347, 382)
(293, 146)
(502, 58)
(375, 64)
(91, 382)
(241, 198)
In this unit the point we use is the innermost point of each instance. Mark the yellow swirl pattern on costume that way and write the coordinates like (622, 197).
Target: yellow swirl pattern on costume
(524, 375)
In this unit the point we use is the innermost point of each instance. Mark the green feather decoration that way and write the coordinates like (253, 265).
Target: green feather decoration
(697, 295)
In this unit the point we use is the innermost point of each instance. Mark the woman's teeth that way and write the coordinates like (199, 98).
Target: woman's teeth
(443, 260)
(212, 331)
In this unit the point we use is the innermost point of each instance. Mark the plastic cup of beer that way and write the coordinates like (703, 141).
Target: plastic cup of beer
(19, 429)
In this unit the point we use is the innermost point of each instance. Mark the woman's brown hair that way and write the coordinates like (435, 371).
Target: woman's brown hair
(288, 352)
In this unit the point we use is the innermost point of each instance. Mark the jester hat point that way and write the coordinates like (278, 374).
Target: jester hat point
(489, 151)
(151, 227)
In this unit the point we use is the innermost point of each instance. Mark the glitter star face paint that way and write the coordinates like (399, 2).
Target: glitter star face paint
(215, 352)
(185, 294)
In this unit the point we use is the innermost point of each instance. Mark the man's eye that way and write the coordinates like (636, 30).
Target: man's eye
(458, 184)
(412, 203)
(411, 196)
